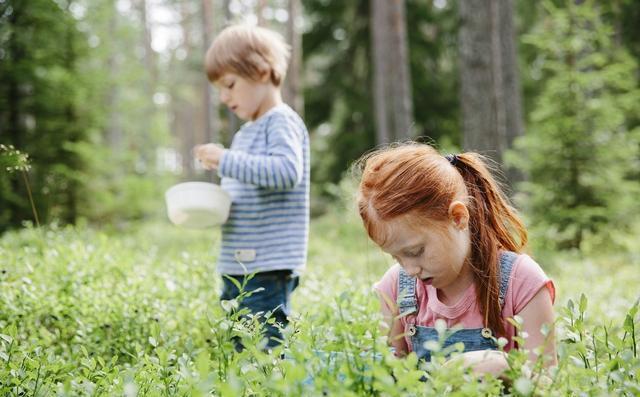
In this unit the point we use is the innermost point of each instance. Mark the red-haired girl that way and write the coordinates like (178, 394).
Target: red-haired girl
(458, 246)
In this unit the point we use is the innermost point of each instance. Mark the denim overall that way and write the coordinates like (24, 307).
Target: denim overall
(473, 338)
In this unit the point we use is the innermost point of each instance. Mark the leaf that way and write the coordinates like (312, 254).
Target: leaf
(583, 303)
(7, 338)
(153, 341)
(628, 324)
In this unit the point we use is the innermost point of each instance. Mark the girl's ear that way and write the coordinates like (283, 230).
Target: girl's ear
(459, 214)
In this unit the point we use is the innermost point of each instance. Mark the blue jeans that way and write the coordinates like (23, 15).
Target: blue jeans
(275, 298)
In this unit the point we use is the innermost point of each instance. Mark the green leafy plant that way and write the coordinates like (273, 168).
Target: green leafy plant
(13, 160)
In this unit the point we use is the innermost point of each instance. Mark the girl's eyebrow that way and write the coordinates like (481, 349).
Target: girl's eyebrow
(409, 247)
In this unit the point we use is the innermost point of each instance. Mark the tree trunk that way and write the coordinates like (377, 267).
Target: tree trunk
(260, 12)
(150, 82)
(402, 107)
(71, 192)
(292, 85)
(393, 104)
(14, 128)
(490, 89)
(186, 112)
(211, 119)
(233, 121)
(511, 81)
(114, 135)
(380, 50)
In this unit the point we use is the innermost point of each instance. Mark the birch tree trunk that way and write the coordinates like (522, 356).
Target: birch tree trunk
(210, 106)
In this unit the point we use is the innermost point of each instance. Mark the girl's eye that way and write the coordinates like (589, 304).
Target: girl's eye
(416, 253)
(230, 86)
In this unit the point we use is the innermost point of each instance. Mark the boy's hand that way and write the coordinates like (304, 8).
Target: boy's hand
(209, 155)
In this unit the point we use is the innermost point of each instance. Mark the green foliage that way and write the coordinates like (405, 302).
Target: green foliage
(40, 108)
(581, 150)
(338, 99)
(12, 160)
(84, 312)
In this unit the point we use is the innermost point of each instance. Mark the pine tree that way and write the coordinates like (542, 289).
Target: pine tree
(40, 107)
(579, 151)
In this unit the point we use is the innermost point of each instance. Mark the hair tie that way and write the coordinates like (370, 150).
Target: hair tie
(452, 158)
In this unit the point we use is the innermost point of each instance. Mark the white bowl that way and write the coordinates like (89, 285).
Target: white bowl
(197, 204)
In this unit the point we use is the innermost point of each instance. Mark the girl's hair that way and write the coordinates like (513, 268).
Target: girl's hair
(248, 51)
(415, 178)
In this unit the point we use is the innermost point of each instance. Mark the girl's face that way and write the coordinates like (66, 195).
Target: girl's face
(434, 251)
(246, 98)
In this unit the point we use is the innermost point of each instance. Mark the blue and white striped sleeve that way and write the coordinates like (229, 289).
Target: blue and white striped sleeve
(280, 169)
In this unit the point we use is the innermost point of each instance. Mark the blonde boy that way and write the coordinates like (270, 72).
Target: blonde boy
(266, 172)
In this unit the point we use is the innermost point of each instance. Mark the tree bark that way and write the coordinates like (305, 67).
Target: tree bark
(114, 135)
(393, 103)
(401, 87)
(211, 118)
(490, 88)
(260, 12)
(232, 121)
(380, 50)
(293, 85)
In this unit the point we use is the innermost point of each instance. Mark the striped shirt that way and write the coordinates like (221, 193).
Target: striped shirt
(266, 173)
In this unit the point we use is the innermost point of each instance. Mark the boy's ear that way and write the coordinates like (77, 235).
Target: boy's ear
(459, 214)
(265, 76)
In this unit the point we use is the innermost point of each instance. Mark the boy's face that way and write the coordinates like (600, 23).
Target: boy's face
(247, 98)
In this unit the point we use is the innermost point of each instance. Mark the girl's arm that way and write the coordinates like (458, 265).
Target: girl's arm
(538, 312)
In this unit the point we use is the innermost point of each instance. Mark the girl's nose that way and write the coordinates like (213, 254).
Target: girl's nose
(413, 271)
(224, 97)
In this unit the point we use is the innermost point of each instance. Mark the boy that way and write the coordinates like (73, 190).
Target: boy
(266, 172)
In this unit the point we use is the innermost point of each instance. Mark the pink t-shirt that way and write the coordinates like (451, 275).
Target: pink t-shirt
(527, 278)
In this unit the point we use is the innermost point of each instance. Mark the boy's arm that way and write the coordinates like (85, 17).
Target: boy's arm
(281, 169)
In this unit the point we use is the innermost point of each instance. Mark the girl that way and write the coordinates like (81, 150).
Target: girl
(458, 246)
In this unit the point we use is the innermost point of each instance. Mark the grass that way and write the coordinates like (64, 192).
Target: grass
(85, 312)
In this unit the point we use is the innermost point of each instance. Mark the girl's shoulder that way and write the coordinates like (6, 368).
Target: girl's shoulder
(387, 286)
(527, 278)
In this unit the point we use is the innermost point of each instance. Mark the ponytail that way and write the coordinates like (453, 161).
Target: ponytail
(493, 225)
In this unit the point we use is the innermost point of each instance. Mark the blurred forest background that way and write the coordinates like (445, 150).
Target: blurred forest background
(107, 98)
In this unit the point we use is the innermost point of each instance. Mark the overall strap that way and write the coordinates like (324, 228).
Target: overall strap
(407, 302)
(507, 259)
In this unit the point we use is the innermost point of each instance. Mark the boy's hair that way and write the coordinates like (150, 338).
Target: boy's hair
(248, 51)
(415, 179)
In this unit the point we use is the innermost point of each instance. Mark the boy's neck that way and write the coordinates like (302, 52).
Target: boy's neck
(272, 99)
